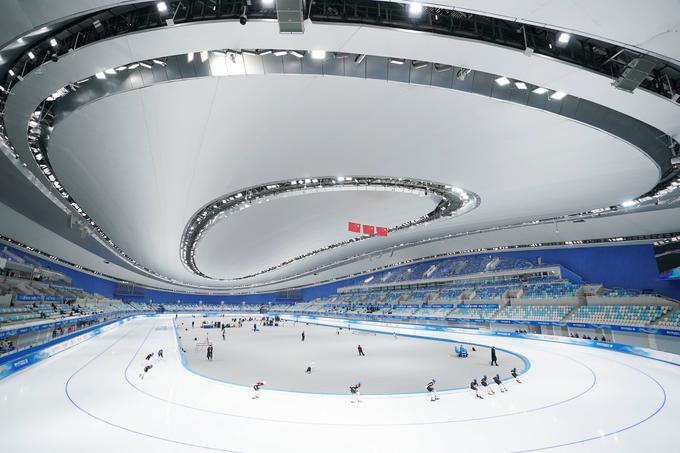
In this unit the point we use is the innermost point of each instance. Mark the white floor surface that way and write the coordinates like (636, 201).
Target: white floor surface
(572, 399)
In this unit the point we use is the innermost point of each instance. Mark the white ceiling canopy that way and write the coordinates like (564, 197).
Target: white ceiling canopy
(141, 163)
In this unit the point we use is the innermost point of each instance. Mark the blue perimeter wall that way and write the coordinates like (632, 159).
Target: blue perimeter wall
(622, 266)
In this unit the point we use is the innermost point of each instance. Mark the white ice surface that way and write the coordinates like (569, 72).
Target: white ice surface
(573, 398)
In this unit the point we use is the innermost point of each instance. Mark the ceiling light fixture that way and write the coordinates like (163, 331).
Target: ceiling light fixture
(296, 54)
(540, 90)
(280, 53)
(415, 9)
(204, 56)
(629, 203)
(100, 75)
(53, 42)
(360, 58)
(319, 54)
(31, 55)
(162, 7)
(521, 85)
(564, 38)
(396, 61)
(557, 95)
(502, 81)
(190, 57)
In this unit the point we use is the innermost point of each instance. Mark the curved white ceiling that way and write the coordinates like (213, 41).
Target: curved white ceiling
(143, 162)
(648, 26)
(267, 234)
(650, 108)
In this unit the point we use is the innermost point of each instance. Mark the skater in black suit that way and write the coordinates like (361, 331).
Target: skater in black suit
(494, 360)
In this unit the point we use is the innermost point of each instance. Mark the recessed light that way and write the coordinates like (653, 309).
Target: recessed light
(540, 90)
(564, 38)
(557, 95)
(415, 9)
(319, 54)
(502, 81)
(521, 85)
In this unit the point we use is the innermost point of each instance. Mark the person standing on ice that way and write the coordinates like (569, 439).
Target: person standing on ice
(499, 383)
(209, 353)
(303, 336)
(430, 388)
(354, 390)
(361, 350)
(160, 353)
(475, 386)
(513, 372)
(257, 386)
(494, 360)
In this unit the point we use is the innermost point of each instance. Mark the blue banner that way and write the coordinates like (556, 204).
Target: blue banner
(54, 299)
(52, 325)
(28, 298)
(478, 305)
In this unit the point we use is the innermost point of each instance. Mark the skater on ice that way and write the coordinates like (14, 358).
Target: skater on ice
(146, 370)
(432, 390)
(494, 360)
(209, 353)
(257, 386)
(354, 390)
(475, 386)
(485, 384)
(160, 353)
(149, 356)
(361, 350)
(499, 383)
(513, 372)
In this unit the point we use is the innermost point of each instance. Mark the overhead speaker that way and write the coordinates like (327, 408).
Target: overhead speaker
(290, 15)
(634, 74)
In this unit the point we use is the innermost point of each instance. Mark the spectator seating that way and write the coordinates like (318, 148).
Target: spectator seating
(535, 312)
(633, 315)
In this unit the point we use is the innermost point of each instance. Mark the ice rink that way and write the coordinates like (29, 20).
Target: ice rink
(572, 399)
(392, 364)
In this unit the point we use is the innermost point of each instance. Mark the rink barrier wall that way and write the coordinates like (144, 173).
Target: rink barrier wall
(647, 330)
(63, 323)
(661, 356)
(525, 360)
(22, 359)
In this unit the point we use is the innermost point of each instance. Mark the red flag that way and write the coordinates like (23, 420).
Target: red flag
(369, 230)
(382, 231)
(354, 227)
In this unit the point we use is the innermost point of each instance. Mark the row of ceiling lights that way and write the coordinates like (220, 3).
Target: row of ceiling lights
(316, 54)
(239, 202)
